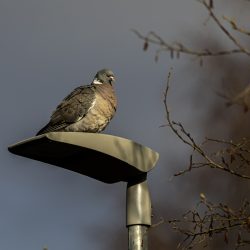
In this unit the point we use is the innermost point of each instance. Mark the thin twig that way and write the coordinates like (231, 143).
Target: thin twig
(235, 26)
(226, 32)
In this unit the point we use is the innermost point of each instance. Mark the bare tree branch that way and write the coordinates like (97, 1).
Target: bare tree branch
(232, 158)
(219, 24)
(199, 224)
(177, 48)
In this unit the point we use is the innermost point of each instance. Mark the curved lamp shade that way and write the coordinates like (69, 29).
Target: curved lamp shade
(104, 157)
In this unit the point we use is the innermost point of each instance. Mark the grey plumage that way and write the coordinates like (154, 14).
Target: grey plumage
(88, 108)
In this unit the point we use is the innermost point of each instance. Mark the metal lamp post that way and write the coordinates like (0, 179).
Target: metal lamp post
(106, 158)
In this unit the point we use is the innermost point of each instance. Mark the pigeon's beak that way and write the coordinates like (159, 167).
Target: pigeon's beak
(111, 79)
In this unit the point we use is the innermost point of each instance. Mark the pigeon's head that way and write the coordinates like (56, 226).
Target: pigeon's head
(104, 76)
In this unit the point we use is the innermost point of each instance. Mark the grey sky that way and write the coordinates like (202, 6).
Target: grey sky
(48, 48)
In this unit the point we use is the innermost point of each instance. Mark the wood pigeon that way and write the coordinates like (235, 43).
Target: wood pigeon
(88, 108)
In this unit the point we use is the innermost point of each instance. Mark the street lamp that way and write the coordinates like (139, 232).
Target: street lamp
(106, 158)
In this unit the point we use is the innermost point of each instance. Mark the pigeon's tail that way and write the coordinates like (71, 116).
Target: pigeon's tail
(44, 130)
(51, 128)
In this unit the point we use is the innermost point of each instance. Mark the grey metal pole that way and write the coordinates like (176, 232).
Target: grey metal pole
(138, 214)
(138, 237)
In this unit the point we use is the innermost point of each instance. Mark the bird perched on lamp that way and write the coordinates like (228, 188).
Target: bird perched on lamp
(88, 108)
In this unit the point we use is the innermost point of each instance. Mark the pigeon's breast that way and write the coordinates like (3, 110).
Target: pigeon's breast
(100, 113)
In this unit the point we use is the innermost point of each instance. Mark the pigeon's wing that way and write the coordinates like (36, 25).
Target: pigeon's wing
(72, 109)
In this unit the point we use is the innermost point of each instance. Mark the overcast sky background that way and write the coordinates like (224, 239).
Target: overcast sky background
(49, 47)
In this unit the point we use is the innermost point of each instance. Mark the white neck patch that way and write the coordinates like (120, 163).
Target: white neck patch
(96, 81)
